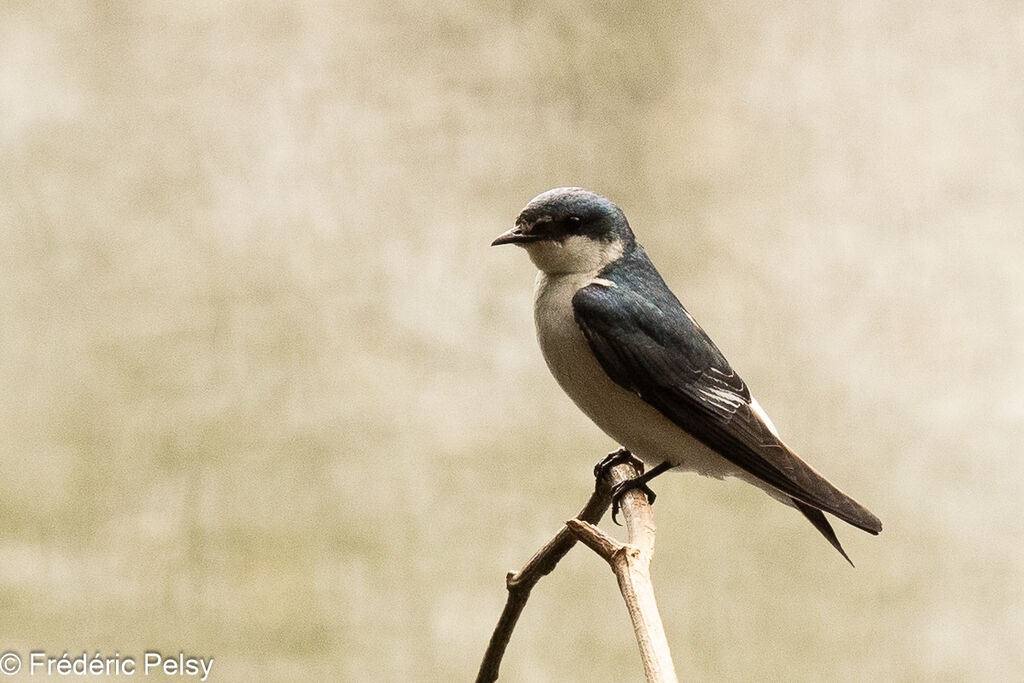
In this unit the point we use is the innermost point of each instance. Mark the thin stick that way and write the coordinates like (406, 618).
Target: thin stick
(632, 566)
(630, 562)
(519, 584)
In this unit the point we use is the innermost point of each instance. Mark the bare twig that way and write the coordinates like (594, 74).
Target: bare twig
(519, 584)
(632, 566)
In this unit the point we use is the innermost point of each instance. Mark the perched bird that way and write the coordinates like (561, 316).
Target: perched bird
(636, 363)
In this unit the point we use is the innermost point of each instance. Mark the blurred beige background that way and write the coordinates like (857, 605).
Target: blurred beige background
(269, 396)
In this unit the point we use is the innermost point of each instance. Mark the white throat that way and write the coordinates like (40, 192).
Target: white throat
(575, 254)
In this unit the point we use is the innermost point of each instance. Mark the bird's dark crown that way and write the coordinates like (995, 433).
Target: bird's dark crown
(565, 211)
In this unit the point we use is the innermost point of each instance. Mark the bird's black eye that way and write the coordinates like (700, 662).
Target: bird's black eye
(575, 220)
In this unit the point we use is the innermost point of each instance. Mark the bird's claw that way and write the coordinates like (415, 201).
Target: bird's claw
(639, 482)
(619, 489)
(614, 458)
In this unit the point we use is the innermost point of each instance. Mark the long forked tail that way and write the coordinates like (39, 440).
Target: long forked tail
(817, 518)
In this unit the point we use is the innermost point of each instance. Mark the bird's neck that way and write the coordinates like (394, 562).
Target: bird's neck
(575, 254)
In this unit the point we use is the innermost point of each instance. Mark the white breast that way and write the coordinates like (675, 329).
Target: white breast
(621, 414)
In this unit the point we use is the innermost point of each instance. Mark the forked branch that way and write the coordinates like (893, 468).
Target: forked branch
(630, 562)
(519, 584)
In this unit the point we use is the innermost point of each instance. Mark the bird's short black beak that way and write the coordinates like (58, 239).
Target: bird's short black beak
(515, 236)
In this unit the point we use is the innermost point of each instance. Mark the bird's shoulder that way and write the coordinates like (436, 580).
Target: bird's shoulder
(632, 315)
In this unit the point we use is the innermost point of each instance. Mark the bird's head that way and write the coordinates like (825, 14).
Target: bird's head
(570, 230)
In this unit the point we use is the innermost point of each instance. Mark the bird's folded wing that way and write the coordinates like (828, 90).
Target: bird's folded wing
(647, 342)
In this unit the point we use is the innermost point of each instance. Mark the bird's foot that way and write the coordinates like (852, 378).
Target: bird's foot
(614, 458)
(638, 483)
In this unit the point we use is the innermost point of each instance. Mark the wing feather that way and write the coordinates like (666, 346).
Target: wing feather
(647, 342)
